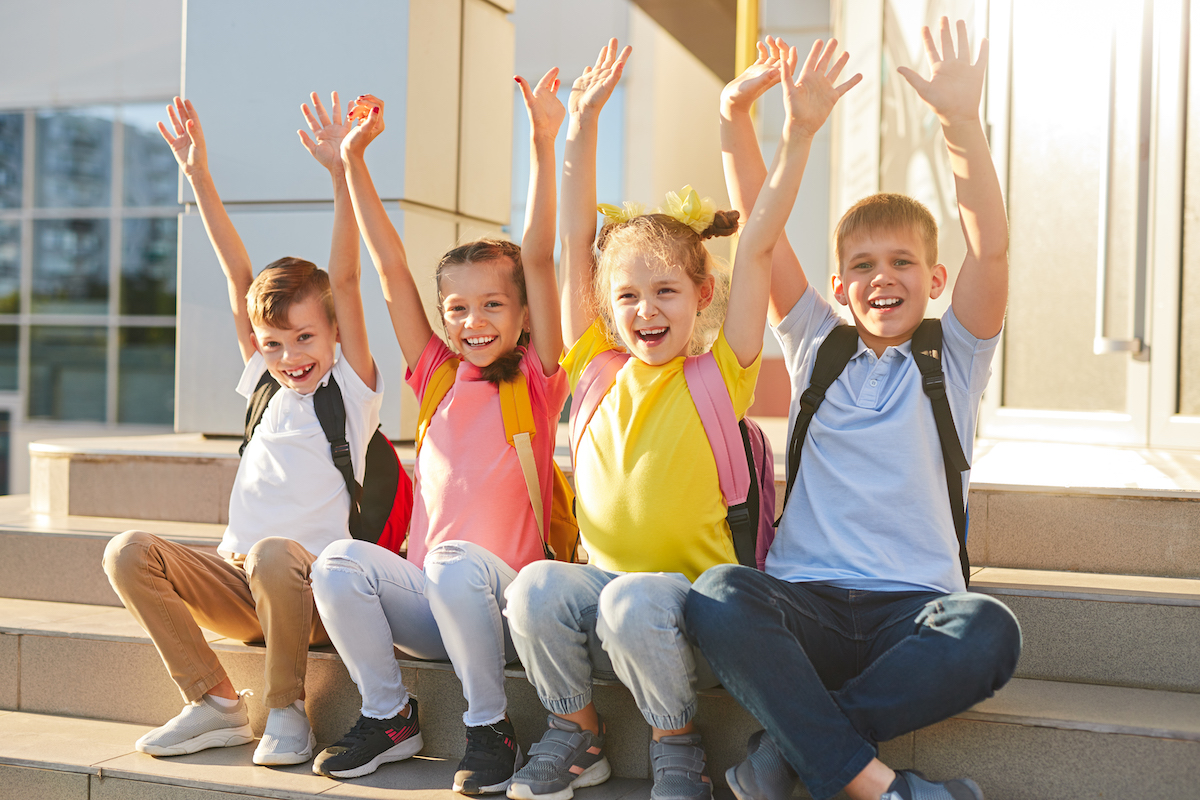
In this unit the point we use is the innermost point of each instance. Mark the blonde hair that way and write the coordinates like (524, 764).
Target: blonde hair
(281, 285)
(886, 211)
(666, 244)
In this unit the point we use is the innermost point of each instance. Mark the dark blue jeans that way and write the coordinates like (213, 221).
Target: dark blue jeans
(831, 672)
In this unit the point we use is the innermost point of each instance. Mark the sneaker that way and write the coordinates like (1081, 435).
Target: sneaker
(567, 758)
(287, 739)
(372, 742)
(201, 725)
(679, 769)
(765, 774)
(492, 757)
(912, 785)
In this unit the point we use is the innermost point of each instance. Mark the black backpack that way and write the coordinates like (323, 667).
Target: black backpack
(832, 357)
(381, 508)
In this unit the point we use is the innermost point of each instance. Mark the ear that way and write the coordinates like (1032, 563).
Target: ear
(254, 341)
(708, 290)
(937, 284)
(839, 290)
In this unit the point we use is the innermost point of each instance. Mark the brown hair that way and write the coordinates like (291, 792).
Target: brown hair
(887, 211)
(506, 366)
(281, 285)
(671, 244)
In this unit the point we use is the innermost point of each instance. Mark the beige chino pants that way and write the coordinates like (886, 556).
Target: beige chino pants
(174, 590)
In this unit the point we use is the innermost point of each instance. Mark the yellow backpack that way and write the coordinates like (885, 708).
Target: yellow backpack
(561, 537)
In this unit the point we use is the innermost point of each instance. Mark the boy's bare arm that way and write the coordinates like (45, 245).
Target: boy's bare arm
(546, 114)
(745, 170)
(345, 273)
(186, 139)
(953, 92)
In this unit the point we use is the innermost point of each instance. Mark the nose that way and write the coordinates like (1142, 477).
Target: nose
(882, 277)
(645, 309)
(474, 319)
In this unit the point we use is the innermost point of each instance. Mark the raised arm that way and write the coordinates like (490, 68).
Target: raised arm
(806, 103)
(345, 272)
(745, 170)
(577, 215)
(186, 139)
(546, 114)
(953, 91)
(383, 242)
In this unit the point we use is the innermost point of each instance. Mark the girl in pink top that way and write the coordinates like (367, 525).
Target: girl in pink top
(473, 526)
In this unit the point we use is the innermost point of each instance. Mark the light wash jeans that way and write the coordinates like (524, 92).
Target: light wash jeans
(571, 622)
(371, 598)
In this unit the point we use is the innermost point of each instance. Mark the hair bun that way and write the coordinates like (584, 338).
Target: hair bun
(725, 223)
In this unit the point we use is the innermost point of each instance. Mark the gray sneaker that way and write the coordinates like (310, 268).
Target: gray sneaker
(201, 725)
(679, 769)
(765, 774)
(288, 738)
(912, 785)
(566, 758)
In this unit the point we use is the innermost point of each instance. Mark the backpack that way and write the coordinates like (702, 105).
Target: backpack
(381, 508)
(745, 463)
(832, 357)
(560, 539)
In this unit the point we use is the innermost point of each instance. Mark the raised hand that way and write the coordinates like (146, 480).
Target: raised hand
(808, 100)
(741, 92)
(328, 131)
(592, 89)
(366, 120)
(187, 143)
(545, 110)
(955, 85)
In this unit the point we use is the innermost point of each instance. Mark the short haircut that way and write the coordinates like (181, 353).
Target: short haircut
(884, 212)
(281, 285)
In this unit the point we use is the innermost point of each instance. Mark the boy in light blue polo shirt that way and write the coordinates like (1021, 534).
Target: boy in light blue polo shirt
(861, 628)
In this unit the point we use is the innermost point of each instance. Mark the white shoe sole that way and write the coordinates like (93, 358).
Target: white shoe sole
(406, 749)
(265, 759)
(496, 788)
(595, 774)
(222, 737)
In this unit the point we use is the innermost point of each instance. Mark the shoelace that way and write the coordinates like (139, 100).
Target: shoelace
(487, 739)
(361, 730)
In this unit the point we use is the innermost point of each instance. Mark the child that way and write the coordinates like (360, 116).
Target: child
(473, 525)
(289, 320)
(861, 629)
(649, 505)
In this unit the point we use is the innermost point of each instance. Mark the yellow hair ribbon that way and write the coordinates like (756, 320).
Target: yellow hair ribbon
(617, 215)
(686, 206)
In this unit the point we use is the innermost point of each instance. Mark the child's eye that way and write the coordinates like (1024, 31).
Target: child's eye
(304, 337)
(455, 310)
(493, 304)
(902, 262)
(271, 345)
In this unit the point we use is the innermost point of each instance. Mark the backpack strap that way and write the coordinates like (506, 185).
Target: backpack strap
(435, 391)
(257, 406)
(730, 450)
(832, 357)
(519, 428)
(598, 377)
(331, 412)
(927, 352)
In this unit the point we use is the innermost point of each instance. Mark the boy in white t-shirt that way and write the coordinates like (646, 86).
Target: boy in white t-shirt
(289, 320)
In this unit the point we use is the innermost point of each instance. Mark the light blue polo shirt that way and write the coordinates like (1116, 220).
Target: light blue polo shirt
(869, 509)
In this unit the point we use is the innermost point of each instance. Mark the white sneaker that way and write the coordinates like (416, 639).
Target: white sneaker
(201, 725)
(288, 738)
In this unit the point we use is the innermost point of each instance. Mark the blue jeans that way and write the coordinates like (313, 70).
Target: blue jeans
(831, 672)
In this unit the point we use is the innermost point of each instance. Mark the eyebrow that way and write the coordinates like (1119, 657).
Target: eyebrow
(897, 252)
(656, 282)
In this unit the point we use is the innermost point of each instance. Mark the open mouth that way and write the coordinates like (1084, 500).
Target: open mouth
(299, 374)
(885, 303)
(652, 335)
(480, 341)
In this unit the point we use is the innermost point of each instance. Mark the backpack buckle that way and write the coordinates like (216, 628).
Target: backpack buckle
(341, 453)
(738, 516)
(935, 385)
(810, 399)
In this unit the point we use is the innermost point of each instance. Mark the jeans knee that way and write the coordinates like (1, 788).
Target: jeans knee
(634, 603)
(125, 556)
(276, 561)
(535, 600)
(713, 600)
(989, 633)
(339, 569)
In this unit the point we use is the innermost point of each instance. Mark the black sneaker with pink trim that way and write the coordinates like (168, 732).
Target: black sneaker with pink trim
(370, 743)
(492, 757)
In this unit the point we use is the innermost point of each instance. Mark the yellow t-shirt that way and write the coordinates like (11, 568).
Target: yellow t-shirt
(648, 495)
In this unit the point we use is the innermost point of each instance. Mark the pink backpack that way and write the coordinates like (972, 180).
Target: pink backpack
(745, 463)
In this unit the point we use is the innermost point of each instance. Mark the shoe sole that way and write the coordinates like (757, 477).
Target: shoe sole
(738, 790)
(284, 759)
(406, 749)
(595, 774)
(224, 737)
(495, 788)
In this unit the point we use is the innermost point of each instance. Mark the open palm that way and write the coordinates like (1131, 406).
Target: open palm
(328, 131)
(592, 89)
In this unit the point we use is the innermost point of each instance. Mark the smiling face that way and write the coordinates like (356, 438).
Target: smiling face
(654, 308)
(887, 282)
(299, 355)
(482, 310)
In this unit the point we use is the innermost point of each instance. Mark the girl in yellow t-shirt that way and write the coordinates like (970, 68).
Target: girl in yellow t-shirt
(649, 504)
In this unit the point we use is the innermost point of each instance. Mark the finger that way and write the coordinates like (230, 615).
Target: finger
(983, 54)
(931, 52)
(599, 59)
(194, 133)
(763, 53)
(336, 104)
(947, 38)
(621, 59)
(308, 143)
(610, 52)
(837, 68)
(322, 115)
(549, 79)
(848, 85)
(526, 92)
(310, 118)
(179, 129)
(914, 80)
(826, 56)
(166, 134)
(964, 44)
(786, 67)
(814, 55)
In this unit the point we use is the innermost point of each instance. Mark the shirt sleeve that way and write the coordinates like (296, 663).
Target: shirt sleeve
(593, 342)
(546, 392)
(435, 354)
(968, 360)
(251, 374)
(739, 380)
(810, 320)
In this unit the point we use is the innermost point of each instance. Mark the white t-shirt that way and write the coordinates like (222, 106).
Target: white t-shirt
(286, 483)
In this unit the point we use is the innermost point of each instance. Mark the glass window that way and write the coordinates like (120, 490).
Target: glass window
(70, 266)
(9, 338)
(74, 158)
(151, 174)
(148, 266)
(147, 376)
(10, 267)
(67, 372)
(12, 151)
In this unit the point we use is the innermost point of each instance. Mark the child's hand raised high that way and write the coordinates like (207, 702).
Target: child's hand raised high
(808, 100)
(955, 85)
(187, 143)
(592, 89)
(741, 92)
(328, 131)
(366, 119)
(545, 110)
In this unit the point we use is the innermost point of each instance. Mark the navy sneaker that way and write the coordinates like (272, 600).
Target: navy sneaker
(765, 774)
(912, 785)
(492, 757)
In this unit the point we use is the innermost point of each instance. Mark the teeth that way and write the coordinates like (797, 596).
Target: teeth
(296, 373)
(886, 302)
(651, 331)
(479, 340)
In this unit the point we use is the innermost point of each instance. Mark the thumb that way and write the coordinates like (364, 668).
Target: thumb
(913, 78)
(526, 91)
